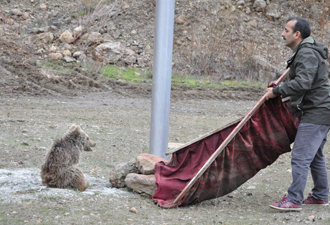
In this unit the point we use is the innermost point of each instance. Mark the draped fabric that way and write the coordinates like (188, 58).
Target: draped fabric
(266, 135)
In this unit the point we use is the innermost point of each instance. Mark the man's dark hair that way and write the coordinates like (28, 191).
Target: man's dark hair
(302, 26)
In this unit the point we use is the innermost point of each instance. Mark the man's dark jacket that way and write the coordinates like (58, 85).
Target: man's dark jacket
(308, 87)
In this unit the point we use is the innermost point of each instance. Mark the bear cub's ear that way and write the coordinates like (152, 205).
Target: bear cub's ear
(75, 130)
(73, 127)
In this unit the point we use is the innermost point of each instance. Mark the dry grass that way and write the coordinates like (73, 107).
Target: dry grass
(98, 14)
(211, 56)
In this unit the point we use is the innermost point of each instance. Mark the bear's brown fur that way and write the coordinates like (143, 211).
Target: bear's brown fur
(60, 167)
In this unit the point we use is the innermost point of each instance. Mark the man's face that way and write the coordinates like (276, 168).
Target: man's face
(290, 38)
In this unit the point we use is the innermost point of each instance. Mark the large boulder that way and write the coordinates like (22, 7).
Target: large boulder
(118, 175)
(142, 184)
(109, 52)
(146, 163)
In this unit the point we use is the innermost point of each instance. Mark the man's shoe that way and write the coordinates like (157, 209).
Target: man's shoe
(311, 200)
(285, 205)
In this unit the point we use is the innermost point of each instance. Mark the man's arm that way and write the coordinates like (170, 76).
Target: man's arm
(306, 65)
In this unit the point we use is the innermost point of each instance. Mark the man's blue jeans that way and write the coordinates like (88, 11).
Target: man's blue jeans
(307, 152)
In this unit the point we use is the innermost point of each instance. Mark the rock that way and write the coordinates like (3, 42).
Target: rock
(16, 12)
(253, 23)
(94, 37)
(25, 16)
(82, 58)
(53, 28)
(133, 210)
(240, 2)
(43, 7)
(259, 5)
(55, 56)
(141, 62)
(232, 8)
(272, 12)
(181, 19)
(66, 46)
(118, 175)
(117, 34)
(125, 6)
(146, 163)
(129, 52)
(40, 51)
(77, 54)
(78, 31)
(46, 37)
(68, 59)
(66, 37)
(67, 52)
(109, 52)
(10, 21)
(133, 32)
(53, 48)
(142, 184)
(129, 60)
(251, 187)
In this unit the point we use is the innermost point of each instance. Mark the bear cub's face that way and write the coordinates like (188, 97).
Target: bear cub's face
(82, 138)
(89, 144)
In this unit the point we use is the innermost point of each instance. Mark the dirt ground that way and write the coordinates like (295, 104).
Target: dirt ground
(119, 125)
(39, 104)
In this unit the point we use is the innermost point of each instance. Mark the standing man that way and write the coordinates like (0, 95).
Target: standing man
(308, 90)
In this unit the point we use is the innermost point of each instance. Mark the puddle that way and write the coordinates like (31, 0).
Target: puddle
(18, 184)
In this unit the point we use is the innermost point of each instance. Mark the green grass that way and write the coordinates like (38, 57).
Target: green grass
(55, 66)
(4, 221)
(129, 74)
(50, 197)
(190, 81)
(138, 76)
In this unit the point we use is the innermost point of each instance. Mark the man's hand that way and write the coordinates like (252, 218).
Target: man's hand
(270, 94)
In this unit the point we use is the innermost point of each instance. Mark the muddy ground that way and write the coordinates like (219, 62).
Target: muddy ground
(120, 126)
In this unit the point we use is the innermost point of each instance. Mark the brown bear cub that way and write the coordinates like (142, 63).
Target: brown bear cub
(60, 168)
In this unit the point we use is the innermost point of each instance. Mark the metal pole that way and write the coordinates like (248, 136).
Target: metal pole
(162, 70)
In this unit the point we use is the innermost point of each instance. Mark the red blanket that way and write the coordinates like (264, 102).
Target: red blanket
(266, 136)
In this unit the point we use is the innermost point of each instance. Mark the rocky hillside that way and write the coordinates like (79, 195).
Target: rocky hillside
(213, 39)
